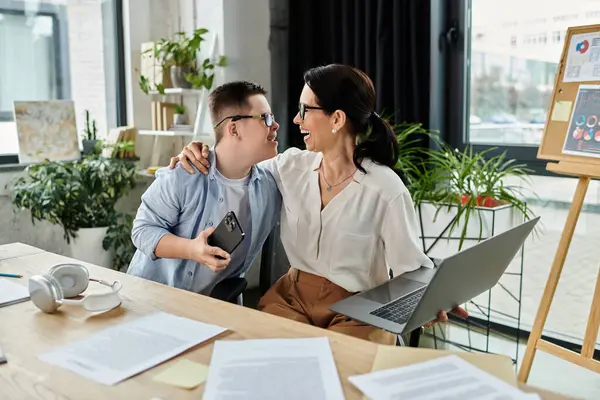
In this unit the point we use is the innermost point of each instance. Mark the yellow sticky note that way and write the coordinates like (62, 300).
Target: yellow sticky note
(561, 111)
(184, 373)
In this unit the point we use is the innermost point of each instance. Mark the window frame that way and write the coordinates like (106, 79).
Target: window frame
(61, 61)
(457, 94)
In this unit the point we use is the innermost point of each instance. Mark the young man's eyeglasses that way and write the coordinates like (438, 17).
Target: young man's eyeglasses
(303, 107)
(267, 117)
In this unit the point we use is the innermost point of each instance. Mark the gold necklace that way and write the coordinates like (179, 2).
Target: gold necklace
(330, 186)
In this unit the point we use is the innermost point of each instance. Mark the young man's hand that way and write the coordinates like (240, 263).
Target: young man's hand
(195, 153)
(206, 254)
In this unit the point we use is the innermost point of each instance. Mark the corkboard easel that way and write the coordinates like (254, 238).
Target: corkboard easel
(585, 168)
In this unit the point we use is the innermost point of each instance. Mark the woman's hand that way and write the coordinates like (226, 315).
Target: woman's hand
(443, 317)
(195, 153)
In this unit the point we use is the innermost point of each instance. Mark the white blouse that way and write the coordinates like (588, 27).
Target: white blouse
(366, 229)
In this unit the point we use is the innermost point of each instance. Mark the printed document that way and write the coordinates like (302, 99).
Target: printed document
(273, 369)
(447, 378)
(12, 293)
(583, 58)
(119, 352)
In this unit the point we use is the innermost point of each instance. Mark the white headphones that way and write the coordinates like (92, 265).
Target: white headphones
(49, 291)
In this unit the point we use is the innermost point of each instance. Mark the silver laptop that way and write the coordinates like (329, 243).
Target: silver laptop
(408, 301)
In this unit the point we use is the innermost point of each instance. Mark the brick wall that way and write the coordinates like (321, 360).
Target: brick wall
(87, 61)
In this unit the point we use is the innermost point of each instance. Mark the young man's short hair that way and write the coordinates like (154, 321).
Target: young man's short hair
(230, 98)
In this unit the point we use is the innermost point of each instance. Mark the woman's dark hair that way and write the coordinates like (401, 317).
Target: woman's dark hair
(342, 87)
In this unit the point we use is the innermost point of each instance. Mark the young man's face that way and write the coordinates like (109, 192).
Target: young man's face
(256, 139)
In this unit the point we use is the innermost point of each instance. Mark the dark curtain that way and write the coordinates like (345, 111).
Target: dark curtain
(387, 39)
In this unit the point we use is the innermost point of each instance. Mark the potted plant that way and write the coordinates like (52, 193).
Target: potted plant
(90, 139)
(179, 55)
(80, 196)
(179, 115)
(460, 191)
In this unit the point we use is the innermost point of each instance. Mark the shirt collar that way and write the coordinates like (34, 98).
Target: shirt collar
(358, 176)
(254, 175)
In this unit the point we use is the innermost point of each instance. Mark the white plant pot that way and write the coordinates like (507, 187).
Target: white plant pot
(491, 221)
(178, 119)
(87, 246)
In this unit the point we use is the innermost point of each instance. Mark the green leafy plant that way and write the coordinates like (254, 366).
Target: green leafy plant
(182, 51)
(466, 181)
(146, 86)
(179, 109)
(472, 181)
(118, 238)
(202, 77)
(120, 150)
(74, 194)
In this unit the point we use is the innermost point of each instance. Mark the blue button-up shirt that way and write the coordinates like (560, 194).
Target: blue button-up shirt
(185, 204)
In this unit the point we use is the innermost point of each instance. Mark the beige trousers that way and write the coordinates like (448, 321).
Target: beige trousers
(305, 297)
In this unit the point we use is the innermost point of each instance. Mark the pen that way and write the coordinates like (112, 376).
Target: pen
(10, 275)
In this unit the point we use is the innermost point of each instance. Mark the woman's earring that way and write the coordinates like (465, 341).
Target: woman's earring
(334, 131)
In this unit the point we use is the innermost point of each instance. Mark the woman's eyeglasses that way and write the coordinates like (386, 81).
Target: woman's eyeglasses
(303, 107)
(267, 117)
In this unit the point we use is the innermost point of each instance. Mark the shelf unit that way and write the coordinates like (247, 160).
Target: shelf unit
(179, 91)
(199, 130)
(145, 173)
(166, 133)
(178, 136)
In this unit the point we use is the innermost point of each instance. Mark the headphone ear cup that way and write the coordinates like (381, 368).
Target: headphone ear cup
(45, 292)
(73, 278)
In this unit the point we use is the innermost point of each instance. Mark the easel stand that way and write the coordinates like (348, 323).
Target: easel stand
(585, 172)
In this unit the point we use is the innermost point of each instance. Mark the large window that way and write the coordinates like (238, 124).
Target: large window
(513, 63)
(500, 76)
(60, 49)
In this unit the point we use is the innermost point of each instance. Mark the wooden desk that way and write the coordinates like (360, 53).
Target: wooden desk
(26, 332)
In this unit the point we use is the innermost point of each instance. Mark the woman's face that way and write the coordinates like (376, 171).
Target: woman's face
(316, 126)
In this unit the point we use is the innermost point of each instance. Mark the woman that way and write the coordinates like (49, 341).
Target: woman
(347, 217)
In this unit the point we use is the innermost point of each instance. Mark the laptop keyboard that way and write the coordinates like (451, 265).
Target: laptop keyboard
(400, 309)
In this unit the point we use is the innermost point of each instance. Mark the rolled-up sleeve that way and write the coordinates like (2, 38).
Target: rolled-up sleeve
(158, 213)
(401, 238)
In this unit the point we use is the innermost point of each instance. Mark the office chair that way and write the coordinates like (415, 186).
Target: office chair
(230, 290)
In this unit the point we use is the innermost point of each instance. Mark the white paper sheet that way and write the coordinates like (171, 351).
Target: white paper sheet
(583, 58)
(12, 293)
(124, 350)
(273, 369)
(447, 378)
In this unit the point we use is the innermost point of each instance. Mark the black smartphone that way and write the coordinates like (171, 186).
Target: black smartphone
(228, 234)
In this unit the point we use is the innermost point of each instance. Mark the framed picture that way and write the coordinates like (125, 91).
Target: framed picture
(47, 130)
